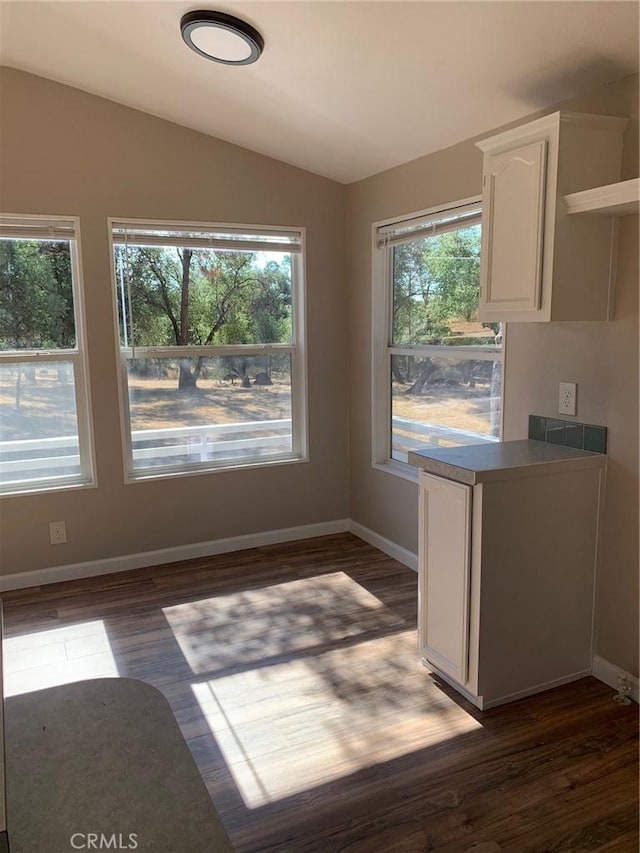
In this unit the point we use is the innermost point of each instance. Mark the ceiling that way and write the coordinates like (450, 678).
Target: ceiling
(344, 89)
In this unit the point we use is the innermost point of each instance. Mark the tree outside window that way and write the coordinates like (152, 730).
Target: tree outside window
(210, 335)
(443, 367)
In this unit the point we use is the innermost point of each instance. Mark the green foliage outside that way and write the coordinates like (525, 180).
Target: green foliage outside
(436, 285)
(436, 281)
(36, 295)
(229, 298)
(185, 297)
(178, 297)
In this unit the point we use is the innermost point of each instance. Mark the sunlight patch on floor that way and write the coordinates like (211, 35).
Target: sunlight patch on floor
(42, 659)
(296, 725)
(282, 619)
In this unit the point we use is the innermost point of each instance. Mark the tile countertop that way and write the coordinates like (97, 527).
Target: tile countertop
(502, 460)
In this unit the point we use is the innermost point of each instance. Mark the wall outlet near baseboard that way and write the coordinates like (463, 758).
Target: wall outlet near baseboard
(57, 532)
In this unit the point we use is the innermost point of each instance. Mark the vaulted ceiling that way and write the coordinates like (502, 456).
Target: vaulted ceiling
(344, 89)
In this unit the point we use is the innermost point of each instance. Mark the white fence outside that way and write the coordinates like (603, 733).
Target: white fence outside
(412, 435)
(26, 459)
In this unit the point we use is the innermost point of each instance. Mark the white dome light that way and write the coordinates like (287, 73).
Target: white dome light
(221, 37)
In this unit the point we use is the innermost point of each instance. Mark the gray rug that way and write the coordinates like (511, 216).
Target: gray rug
(104, 757)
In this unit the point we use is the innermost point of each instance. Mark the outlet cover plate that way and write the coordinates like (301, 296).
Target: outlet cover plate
(57, 532)
(567, 398)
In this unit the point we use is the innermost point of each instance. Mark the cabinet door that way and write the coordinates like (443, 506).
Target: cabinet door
(444, 558)
(512, 230)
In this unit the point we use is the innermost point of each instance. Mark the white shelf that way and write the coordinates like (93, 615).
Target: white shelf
(619, 199)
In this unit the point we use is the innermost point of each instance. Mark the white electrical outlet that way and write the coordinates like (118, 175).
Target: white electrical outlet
(567, 398)
(57, 532)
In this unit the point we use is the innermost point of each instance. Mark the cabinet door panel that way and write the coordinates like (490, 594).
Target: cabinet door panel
(513, 229)
(445, 520)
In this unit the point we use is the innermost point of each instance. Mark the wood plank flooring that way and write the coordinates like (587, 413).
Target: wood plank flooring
(293, 673)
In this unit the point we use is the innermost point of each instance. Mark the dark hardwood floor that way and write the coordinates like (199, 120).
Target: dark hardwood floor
(293, 673)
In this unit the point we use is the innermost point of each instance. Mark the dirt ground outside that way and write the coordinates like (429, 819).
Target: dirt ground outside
(456, 406)
(46, 407)
(155, 403)
(40, 404)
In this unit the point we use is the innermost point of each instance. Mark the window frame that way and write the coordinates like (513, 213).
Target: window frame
(297, 350)
(77, 356)
(383, 348)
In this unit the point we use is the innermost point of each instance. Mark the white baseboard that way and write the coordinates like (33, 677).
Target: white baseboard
(124, 563)
(402, 555)
(608, 672)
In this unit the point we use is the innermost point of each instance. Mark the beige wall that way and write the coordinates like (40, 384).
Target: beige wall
(601, 357)
(66, 152)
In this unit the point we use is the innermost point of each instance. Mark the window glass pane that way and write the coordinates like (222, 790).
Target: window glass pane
(438, 402)
(171, 296)
(36, 295)
(436, 286)
(38, 422)
(209, 410)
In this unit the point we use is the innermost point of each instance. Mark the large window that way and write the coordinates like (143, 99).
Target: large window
(44, 415)
(211, 340)
(437, 371)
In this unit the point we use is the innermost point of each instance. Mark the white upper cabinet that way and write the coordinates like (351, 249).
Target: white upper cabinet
(514, 181)
(537, 262)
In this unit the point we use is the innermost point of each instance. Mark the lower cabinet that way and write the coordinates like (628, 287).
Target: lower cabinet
(445, 583)
(506, 588)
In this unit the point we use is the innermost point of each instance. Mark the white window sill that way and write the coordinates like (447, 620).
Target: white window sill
(45, 488)
(398, 469)
(144, 476)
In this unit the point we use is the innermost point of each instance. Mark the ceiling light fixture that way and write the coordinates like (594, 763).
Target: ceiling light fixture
(221, 37)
